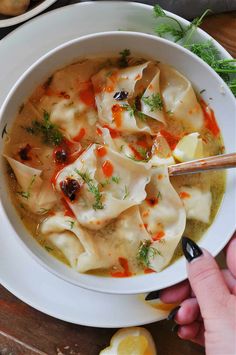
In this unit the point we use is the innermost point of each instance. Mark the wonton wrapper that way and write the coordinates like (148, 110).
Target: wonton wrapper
(153, 89)
(161, 152)
(197, 203)
(168, 216)
(115, 197)
(39, 196)
(70, 115)
(88, 250)
(179, 97)
(106, 86)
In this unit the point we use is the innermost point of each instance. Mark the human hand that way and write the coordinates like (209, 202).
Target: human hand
(207, 313)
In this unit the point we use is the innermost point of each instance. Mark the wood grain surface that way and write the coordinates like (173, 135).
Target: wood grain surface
(25, 331)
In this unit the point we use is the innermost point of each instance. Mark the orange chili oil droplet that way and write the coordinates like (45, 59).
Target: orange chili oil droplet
(137, 155)
(125, 265)
(80, 135)
(87, 95)
(116, 114)
(210, 120)
(152, 201)
(113, 132)
(68, 211)
(101, 151)
(160, 176)
(107, 168)
(99, 131)
(148, 270)
(171, 139)
(184, 194)
(158, 236)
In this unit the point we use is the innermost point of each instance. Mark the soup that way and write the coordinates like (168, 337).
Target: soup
(87, 165)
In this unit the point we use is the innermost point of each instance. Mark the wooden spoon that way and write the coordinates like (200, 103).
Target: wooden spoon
(224, 161)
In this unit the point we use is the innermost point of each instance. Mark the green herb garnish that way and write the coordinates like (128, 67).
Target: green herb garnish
(143, 152)
(93, 189)
(146, 252)
(49, 132)
(115, 179)
(126, 193)
(130, 109)
(105, 182)
(71, 223)
(154, 102)
(123, 60)
(205, 50)
(24, 194)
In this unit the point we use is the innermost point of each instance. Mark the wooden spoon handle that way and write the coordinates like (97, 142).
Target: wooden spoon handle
(225, 161)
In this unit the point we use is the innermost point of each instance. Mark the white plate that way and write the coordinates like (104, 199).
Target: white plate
(33, 11)
(19, 273)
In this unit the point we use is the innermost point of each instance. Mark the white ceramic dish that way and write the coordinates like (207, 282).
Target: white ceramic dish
(29, 281)
(35, 9)
(200, 74)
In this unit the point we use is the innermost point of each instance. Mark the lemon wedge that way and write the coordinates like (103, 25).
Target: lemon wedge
(190, 147)
(131, 341)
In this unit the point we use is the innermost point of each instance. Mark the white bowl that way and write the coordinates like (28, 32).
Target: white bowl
(35, 9)
(202, 77)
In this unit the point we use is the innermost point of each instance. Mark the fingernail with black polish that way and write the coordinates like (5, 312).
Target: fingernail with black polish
(173, 313)
(190, 249)
(152, 296)
(175, 328)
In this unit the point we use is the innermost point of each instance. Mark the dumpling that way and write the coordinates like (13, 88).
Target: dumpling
(35, 194)
(13, 7)
(72, 116)
(88, 250)
(197, 203)
(164, 216)
(151, 101)
(118, 113)
(103, 183)
(179, 97)
(161, 152)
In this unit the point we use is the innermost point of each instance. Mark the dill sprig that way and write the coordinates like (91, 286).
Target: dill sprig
(154, 101)
(93, 189)
(123, 60)
(146, 252)
(172, 28)
(49, 132)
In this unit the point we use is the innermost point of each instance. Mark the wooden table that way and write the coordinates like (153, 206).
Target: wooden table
(25, 331)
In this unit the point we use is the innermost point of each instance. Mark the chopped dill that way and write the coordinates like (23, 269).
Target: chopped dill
(115, 179)
(123, 60)
(130, 109)
(93, 189)
(146, 252)
(143, 152)
(49, 132)
(71, 223)
(154, 102)
(126, 193)
(24, 194)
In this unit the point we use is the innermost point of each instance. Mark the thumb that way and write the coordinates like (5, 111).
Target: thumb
(205, 279)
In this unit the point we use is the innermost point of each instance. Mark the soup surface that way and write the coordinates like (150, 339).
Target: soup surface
(87, 165)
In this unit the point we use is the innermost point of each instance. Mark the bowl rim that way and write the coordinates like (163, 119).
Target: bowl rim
(4, 106)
